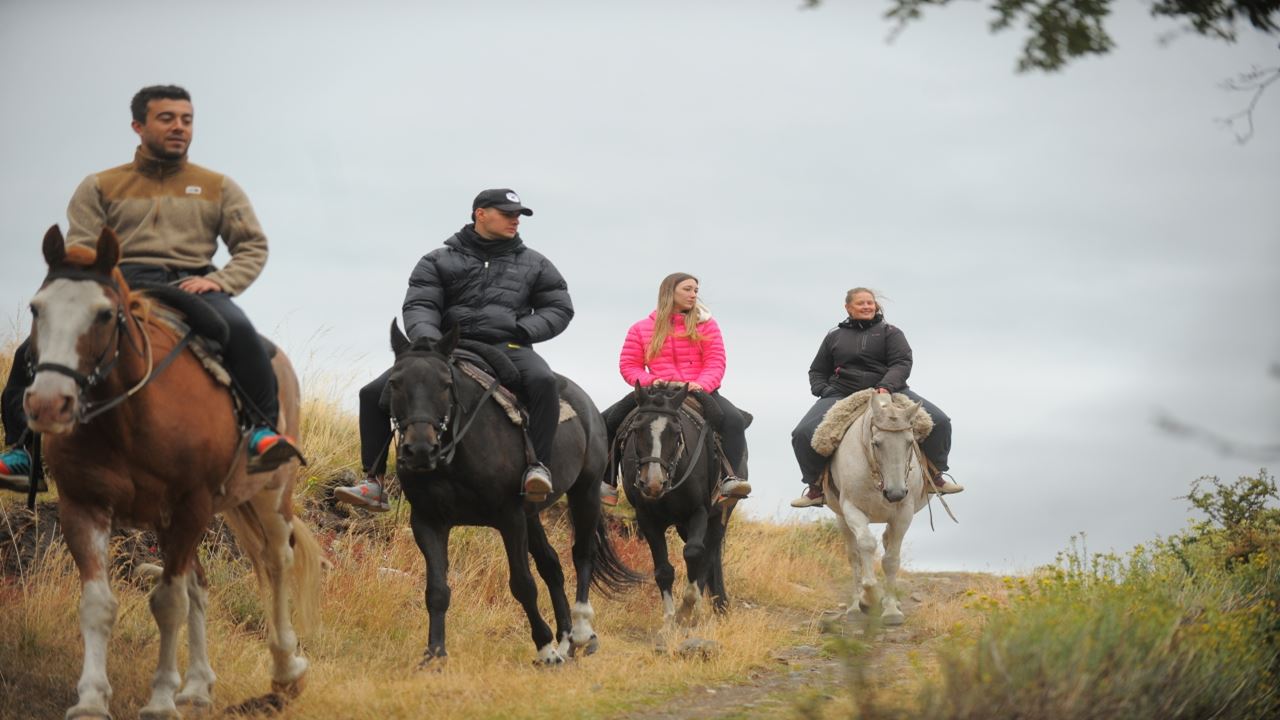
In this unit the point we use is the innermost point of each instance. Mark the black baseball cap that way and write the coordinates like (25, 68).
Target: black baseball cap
(504, 199)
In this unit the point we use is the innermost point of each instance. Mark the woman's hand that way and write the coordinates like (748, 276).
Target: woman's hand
(695, 387)
(882, 391)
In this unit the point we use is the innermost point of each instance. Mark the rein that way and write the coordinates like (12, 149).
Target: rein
(668, 468)
(103, 367)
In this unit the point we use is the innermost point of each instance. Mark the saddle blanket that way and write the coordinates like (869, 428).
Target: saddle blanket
(843, 414)
(507, 399)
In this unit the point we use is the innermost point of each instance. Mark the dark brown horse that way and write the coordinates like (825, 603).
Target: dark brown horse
(133, 443)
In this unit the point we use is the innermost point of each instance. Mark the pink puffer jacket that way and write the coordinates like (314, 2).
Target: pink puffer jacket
(680, 359)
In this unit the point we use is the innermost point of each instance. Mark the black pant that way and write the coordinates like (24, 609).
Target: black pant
(245, 357)
(936, 447)
(539, 391)
(732, 428)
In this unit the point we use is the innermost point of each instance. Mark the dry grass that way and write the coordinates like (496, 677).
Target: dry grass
(373, 621)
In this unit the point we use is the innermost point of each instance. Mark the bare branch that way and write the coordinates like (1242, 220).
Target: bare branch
(1256, 81)
(1173, 426)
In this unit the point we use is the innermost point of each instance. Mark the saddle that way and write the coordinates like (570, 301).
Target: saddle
(843, 414)
(185, 313)
(485, 363)
(700, 413)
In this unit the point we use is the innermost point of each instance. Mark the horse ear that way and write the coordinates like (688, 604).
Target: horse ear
(108, 252)
(915, 408)
(54, 247)
(641, 393)
(447, 344)
(399, 343)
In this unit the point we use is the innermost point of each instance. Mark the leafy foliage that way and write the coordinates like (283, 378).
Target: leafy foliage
(1060, 31)
(1188, 627)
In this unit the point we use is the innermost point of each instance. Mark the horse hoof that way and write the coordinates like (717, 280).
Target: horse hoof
(289, 690)
(588, 648)
(268, 704)
(159, 714)
(865, 608)
(549, 656)
(195, 702)
(896, 618)
(88, 712)
(433, 660)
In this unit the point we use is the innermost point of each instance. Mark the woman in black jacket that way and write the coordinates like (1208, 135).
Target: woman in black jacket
(862, 352)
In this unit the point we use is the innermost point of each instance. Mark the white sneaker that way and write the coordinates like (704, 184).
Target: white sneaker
(368, 494)
(735, 487)
(537, 483)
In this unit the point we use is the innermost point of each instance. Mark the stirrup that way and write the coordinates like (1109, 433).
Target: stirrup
(943, 484)
(537, 483)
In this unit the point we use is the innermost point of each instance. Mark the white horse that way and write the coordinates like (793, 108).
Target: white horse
(876, 477)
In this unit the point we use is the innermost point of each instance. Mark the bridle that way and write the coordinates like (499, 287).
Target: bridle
(103, 366)
(869, 450)
(441, 455)
(668, 467)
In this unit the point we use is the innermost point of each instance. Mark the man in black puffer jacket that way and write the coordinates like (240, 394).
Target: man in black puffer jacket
(497, 291)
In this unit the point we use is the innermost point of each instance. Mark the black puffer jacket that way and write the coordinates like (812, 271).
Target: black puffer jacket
(860, 354)
(495, 291)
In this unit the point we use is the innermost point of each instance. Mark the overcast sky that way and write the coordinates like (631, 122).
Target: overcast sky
(1069, 255)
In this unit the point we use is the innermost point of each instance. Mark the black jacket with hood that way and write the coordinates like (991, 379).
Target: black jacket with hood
(860, 354)
(496, 291)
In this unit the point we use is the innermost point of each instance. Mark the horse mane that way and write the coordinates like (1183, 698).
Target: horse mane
(83, 258)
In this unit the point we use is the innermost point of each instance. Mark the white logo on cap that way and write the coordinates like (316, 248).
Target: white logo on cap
(513, 197)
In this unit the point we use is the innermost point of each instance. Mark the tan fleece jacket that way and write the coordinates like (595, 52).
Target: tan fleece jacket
(171, 213)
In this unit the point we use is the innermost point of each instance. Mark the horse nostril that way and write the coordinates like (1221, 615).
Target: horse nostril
(67, 400)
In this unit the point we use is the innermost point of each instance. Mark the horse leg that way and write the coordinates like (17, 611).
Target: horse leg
(433, 543)
(524, 590)
(663, 572)
(288, 667)
(695, 563)
(894, 531)
(862, 553)
(169, 606)
(584, 508)
(548, 564)
(86, 531)
(197, 686)
(715, 565)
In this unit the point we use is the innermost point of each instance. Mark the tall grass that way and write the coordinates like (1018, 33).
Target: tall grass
(373, 620)
(1186, 627)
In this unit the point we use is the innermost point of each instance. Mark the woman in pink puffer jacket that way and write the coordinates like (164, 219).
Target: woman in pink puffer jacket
(680, 342)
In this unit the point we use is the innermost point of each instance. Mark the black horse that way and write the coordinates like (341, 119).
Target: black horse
(670, 471)
(460, 462)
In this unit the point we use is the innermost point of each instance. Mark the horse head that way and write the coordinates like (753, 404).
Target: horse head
(892, 443)
(422, 398)
(77, 319)
(656, 441)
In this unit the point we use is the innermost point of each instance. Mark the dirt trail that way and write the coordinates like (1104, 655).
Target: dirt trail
(810, 674)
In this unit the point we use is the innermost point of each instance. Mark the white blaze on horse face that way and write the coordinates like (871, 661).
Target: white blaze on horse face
(65, 311)
(651, 474)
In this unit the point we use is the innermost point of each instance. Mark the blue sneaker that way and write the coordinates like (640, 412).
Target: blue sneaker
(15, 469)
(269, 450)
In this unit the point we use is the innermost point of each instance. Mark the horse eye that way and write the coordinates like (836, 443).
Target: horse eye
(34, 312)
(103, 317)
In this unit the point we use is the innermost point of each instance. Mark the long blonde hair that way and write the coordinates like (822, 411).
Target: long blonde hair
(662, 325)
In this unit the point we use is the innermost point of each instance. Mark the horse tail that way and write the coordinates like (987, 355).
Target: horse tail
(610, 574)
(308, 563)
(308, 572)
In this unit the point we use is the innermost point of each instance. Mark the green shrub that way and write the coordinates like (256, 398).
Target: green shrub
(1187, 627)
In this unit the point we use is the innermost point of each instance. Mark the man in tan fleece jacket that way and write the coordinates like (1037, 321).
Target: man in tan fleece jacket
(169, 214)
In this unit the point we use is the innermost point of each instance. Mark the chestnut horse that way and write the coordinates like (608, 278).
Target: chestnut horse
(131, 442)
